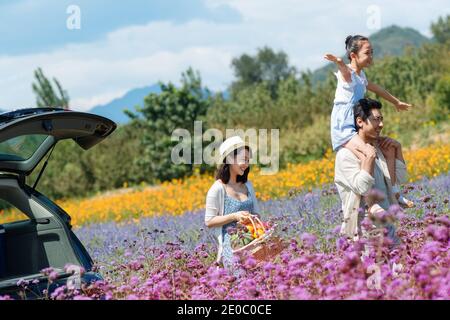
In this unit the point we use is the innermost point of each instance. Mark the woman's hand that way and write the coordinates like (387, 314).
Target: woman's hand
(402, 106)
(241, 216)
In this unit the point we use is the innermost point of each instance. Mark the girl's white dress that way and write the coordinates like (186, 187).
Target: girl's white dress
(346, 96)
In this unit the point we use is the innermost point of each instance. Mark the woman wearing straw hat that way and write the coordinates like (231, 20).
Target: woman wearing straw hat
(231, 198)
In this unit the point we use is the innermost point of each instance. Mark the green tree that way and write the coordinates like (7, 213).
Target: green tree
(442, 95)
(266, 67)
(161, 114)
(46, 95)
(65, 175)
(441, 29)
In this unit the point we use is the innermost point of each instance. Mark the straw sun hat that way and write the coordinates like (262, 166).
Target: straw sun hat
(229, 145)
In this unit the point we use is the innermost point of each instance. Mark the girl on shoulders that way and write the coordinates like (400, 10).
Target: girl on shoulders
(351, 87)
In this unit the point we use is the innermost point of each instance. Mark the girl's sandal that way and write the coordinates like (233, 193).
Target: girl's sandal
(402, 201)
(405, 203)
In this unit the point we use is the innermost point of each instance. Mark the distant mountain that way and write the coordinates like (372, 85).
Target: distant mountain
(387, 41)
(393, 40)
(114, 109)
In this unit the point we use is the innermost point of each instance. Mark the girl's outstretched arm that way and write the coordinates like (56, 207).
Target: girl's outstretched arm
(345, 71)
(399, 105)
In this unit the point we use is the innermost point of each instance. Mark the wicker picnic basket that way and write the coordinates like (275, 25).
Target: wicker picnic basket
(263, 248)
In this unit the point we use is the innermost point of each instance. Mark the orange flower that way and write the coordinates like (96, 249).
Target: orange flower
(178, 196)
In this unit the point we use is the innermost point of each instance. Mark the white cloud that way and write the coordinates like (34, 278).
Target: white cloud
(137, 56)
(101, 71)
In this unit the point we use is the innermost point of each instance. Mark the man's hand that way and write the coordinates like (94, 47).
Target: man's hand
(368, 162)
(370, 151)
(378, 214)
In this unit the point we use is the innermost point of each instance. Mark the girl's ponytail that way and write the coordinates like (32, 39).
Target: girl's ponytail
(347, 40)
(352, 44)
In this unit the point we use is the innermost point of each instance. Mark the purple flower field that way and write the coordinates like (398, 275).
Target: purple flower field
(173, 257)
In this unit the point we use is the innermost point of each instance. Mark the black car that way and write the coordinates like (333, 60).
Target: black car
(44, 238)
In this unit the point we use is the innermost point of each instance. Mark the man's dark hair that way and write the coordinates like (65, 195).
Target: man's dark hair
(363, 107)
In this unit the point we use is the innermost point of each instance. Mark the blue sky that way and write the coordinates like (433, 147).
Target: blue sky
(39, 25)
(123, 45)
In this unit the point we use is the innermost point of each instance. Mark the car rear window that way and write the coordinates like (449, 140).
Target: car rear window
(21, 148)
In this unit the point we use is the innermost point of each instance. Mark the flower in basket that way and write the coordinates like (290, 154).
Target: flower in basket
(240, 236)
(259, 232)
(244, 233)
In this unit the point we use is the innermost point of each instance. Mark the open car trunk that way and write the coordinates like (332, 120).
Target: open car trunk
(44, 239)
